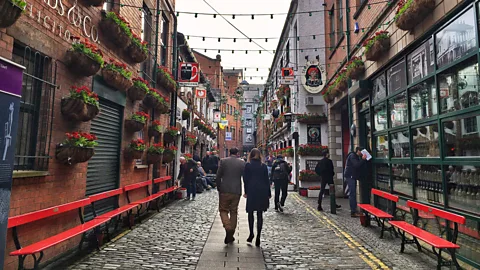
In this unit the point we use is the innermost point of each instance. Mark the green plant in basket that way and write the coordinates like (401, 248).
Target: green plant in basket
(156, 149)
(119, 67)
(84, 93)
(141, 117)
(88, 49)
(139, 43)
(81, 139)
(173, 131)
(137, 145)
(19, 3)
(140, 83)
(156, 125)
(124, 25)
(367, 44)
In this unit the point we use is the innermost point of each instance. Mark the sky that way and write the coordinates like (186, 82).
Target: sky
(260, 27)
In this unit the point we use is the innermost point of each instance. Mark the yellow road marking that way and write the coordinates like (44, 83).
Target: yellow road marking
(365, 255)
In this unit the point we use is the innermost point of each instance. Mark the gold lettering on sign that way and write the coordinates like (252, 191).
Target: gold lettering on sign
(45, 22)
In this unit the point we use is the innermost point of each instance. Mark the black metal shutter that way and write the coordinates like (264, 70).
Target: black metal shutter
(103, 168)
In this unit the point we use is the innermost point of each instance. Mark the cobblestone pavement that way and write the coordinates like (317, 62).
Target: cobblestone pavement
(172, 239)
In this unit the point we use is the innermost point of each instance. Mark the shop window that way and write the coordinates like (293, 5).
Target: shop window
(164, 40)
(421, 62)
(396, 77)
(398, 110)
(331, 18)
(462, 137)
(425, 141)
(428, 184)
(383, 176)
(463, 187)
(381, 145)
(380, 117)
(423, 100)
(469, 240)
(400, 144)
(379, 91)
(456, 40)
(32, 150)
(459, 87)
(402, 179)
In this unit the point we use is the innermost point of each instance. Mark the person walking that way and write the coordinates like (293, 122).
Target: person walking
(206, 162)
(257, 192)
(280, 172)
(353, 164)
(229, 186)
(213, 161)
(325, 170)
(188, 176)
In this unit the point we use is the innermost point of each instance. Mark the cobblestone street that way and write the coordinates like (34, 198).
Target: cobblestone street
(189, 235)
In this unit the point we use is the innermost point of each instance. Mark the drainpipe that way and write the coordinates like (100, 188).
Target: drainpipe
(349, 105)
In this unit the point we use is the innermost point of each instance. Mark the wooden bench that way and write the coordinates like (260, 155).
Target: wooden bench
(39, 247)
(438, 243)
(380, 216)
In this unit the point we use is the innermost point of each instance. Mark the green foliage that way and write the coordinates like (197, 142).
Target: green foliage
(403, 5)
(120, 69)
(19, 3)
(124, 25)
(83, 48)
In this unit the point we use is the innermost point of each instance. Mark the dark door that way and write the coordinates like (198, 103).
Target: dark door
(103, 168)
(365, 131)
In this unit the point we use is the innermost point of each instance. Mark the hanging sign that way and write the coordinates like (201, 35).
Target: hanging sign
(189, 74)
(288, 77)
(217, 116)
(312, 77)
(10, 93)
(228, 136)
(201, 93)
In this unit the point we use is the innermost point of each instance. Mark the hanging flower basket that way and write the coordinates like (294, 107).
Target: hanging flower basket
(311, 118)
(165, 79)
(136, 122)
(137, 51)
(77, 148)
(84, 58)
(116, 75)
(312, 150)
(170, 134)
(154, 129)
(153, 158)
(288, 151)
(135, 149)
(139, 89)
(163, 107)
(154, 153)
(169, 154)
(117, 29)
(191, 139)
(328, 98)
(152, 98)
(10, 11)
(185, 115)
(341, 84)
(411, 13)
(309, 176)
(133, 154)
(355, 68)
(82, 105)
(377, 46)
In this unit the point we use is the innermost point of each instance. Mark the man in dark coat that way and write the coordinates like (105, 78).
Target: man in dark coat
(205, 162)
(213, 161)
(188, 175)
(280, 172)
(325, 170)
(353, 165)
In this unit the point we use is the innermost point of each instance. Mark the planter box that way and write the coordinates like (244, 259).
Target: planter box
(290, 187)
(116, 80)
(72, 155)
(415, 14)
(378, 49)
(114, 32)
(77, 110)
(136, 54)
(80, 64)
(312, 193)
(136, 93)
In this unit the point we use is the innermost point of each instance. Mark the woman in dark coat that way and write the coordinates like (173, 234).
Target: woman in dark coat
(257, 192)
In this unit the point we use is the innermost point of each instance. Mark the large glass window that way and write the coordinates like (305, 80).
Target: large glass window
(379, 91)
(381, 144)
(396, 77)
(400, 144)
(463, 187)
(462, 137)
(402, 179)
(383, 177)
(380, 117)
(423, 100)
(428, 184)
(459, 87)
(425, 141)
(456, 40)
(398, 110)
(420, 62)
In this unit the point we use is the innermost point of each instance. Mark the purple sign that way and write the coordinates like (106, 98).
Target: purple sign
(10, 77)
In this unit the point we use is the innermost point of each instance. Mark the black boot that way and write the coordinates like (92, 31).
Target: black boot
(250, 238)
(257, 241)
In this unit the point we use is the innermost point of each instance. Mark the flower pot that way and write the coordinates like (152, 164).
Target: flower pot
(312, 193)
(136, 93)
(356, 72)
(136, 54)
(150, 101)
(114, 33)
(303, 192)
(9, 13)
(81, 64)
(133, 154)
(153, 132)
(95, 3)
(168, 138)
(168, 157)
(163, 81)
(342, 86)
(133, 126)
(116, 80)
(153, 158)
(71, 155)
(162, 108)
(415, 14)
(78, 110)
(377, 50)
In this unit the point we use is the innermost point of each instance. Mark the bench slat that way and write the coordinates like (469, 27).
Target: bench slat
(425, 236)
(44, 213)
(107, 194)
(437, 212)
(137, 185)
(170, 189)
(385, 195)
(421, 214)
(162, 179)
(56, 239)
(117, 211)
(147, 199)
(375, 211)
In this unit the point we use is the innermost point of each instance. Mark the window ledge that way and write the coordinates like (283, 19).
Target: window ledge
(26, 174)
(141, 166)
(360, 8)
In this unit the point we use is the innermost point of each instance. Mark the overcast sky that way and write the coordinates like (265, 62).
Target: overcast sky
(261, 27)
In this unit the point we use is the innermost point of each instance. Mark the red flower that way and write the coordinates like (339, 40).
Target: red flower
(157, 123)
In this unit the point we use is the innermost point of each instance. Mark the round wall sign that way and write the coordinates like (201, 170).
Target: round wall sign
(312, 78)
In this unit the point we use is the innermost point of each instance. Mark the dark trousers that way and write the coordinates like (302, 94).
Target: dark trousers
(280, 185)
(259, 222)
(192, 188)
(322, 191)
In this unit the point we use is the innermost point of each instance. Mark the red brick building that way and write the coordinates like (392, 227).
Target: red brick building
(39, 41)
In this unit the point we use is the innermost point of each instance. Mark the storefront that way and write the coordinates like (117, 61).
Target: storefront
(421, 118)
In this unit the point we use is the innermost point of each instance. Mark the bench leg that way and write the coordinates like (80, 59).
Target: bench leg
(419, 247)
(452, 252)
(106, 230)
(81, 242)
(402, 249)
(157, 203)
(97, 235)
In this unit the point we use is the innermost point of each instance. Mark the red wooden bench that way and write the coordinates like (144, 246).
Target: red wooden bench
(438, 243)
(380, 216)
(39, 247)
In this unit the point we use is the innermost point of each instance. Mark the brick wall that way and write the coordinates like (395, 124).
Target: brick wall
(64, 183)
